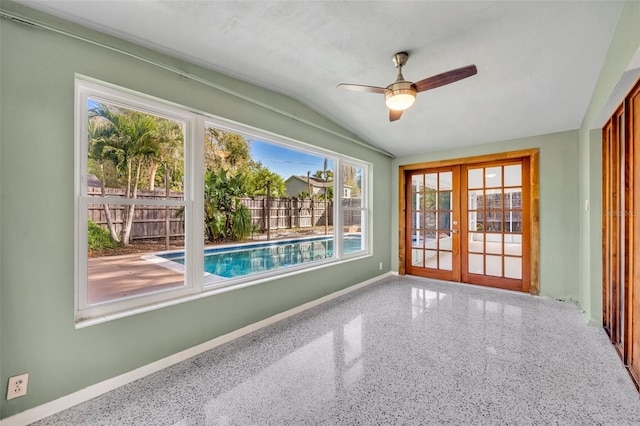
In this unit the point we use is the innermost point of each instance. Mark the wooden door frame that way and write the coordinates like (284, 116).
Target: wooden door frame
(606, 228)
(534, 205)
(632, 316)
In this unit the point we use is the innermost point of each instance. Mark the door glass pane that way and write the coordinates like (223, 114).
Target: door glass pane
(476, 263)
(446, 260)
(474, 178)
(430, 199)
(493, 222)
(513, 221)
(445, 181)
(431, 259)
(494, 266)
(430, 240)
(444, 200)
(513, 175)
(476, 199)
(417, 201)
(417, 258)
(513, 244)
(444, 221)
(493, 199)
(513, 198)
(444, 241)
(417, 238)
(430, 220)
(476, 221)
(494, 243)
(431, 180)
(417, 183)
(493, 177)
(476, 242)
(513, 267)
(416, 220)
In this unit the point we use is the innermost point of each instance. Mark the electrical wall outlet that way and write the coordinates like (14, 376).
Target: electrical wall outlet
(381, 266)
(17, 386)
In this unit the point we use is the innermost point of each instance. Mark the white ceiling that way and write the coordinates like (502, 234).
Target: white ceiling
(538, 62)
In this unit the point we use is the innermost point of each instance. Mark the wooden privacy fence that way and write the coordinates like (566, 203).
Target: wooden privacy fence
(288, 213)
(149, 222)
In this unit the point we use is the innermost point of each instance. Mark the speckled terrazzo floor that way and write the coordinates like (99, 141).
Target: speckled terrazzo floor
(405, 351)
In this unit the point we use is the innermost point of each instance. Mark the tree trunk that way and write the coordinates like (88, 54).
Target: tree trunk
(152, 175)
(127, 211)
(107, 212)
(126, 235)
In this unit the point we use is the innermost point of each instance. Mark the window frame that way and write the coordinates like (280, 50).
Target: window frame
(364, 209)
(88, 89)
(193, 202)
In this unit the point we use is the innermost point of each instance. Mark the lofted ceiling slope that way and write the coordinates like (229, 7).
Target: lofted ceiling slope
(538, 62)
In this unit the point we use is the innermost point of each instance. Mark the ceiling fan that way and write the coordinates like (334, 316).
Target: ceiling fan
(401, 94)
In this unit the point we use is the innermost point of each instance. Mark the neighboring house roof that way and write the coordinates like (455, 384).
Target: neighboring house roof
(313, 181)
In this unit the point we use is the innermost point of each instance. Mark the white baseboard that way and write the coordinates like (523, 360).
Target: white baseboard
(45, 410)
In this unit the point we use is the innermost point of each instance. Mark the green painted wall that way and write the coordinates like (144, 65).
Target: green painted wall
(36, 249)
(559, 205)
(624, 45)
(36, 175)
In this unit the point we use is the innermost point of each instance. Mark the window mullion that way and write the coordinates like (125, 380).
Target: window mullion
(365, 208)
(194, 246)
(195, 226)
(338, 214)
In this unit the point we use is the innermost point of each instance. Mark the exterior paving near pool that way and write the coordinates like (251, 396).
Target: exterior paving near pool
(114, 277)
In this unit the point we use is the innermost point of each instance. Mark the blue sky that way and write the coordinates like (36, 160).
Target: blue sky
(286, 162)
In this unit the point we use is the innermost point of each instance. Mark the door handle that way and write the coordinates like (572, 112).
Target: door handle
(455, 231)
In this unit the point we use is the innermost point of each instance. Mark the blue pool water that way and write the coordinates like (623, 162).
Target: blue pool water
(236, 261)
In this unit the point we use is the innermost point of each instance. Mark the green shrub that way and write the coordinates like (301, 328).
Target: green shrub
(241, 226)
(99, 238)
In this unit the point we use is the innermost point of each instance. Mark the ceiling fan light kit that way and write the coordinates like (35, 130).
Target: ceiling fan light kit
(401, 94)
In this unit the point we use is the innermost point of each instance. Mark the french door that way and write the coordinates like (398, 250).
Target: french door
(434, 217)
(470, 223)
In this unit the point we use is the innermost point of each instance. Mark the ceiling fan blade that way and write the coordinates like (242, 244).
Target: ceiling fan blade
(446, 78)
(362, 88)
(394, 115)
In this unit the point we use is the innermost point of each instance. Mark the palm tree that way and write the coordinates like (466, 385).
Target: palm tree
(142, 146)
(102, 150)
(134, 137)
(170, 140)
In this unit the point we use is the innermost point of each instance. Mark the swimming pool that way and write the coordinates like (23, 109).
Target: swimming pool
(249, 259)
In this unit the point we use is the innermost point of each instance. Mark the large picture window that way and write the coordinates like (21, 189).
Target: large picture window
(171, 204)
